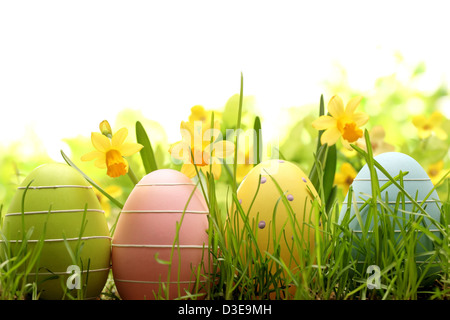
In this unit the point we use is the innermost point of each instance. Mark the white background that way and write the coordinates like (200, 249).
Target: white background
(67, 65)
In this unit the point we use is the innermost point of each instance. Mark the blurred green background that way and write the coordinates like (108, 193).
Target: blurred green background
(392, 104)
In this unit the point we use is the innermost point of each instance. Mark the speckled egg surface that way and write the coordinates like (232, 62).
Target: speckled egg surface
(261, 200)
(56, 199)
(161, 202)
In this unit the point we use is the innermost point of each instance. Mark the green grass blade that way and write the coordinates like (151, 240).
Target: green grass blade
(147, 155)
(326, 156)
(70, 163)
(241, 99)
(257, 142)
(320, 158)
(321, 113)
(330, 169)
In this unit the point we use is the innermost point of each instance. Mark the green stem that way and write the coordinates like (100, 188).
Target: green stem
(132, 176)
(70, 163)
(425, 143)
(241, 99)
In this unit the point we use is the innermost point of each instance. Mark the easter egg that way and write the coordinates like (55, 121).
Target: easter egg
(398, 211)
(268, 215)
(61, 208)
(160, 245)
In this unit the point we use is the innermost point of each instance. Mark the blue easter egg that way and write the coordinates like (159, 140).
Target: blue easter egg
(395, 212)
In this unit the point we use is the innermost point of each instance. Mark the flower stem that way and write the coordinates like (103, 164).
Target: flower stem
(132, 176)
(425, 143)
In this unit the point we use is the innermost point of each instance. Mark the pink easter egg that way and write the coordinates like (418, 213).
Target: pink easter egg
(165, 218)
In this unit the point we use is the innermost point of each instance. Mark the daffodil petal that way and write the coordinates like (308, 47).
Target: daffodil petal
(221, 149)
(348, 169)
(119, 137)
(346, 144)
(419, 121)
(423, 134)
(192, 133)
(339, 178)
(439, 165)
(187, 129)
(330, 136)
(198, 113)
(345, 176)
(242, 170)
(100, 163)
(216, 170)
(189, 170)
(216, 124)
(336, 106)
(440, 133)
(92, 155)
(324, 122)
(100, 142)
(186, 125)
(180, 150)
(360, 118)
(211, 134)
(128, 149)
(114, 190)
(436, 118)
(352, 104)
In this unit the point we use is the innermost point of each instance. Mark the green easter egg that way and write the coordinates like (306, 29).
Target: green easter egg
(55, 203)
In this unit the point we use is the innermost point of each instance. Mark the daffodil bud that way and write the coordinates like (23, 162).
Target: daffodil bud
(105, 128)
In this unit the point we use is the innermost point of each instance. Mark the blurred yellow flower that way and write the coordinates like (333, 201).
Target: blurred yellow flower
(114, 191)
(206, 155)
(431, 125)
(435, 171)
(376, 135)
(344, 178)
(198, 113)
(343, 123)
(110, 153)
(243, 167)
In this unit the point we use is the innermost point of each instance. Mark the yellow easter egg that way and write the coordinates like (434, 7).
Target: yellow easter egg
(277, 198)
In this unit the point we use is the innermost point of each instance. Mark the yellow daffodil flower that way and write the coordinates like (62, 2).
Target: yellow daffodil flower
(196, 138)
(376, 135)
(343, 123)
(114, 191)
(431, 125)
(344, 178)
(110, 153)
(198, 113)
(435, 171)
